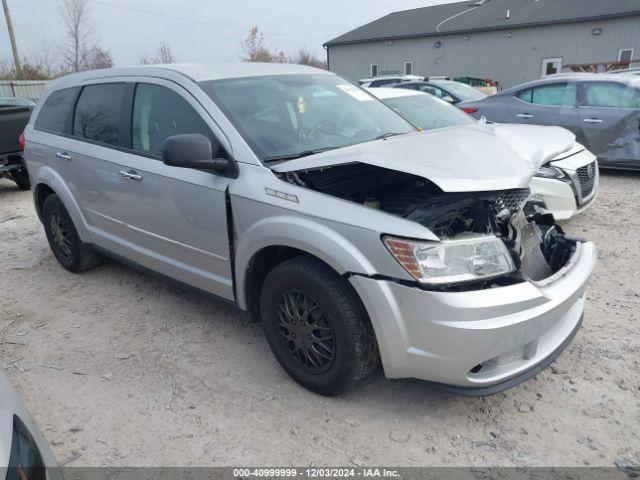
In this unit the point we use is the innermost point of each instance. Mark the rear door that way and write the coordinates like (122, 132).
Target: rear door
(546, 104)
(604, 105)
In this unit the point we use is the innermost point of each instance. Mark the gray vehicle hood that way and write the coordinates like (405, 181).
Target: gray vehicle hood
(482, 157)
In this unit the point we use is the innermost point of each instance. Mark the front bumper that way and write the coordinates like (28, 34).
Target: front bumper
(560, 198)
(477, 340)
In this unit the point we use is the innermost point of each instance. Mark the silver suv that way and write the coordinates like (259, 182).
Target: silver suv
(353, 237)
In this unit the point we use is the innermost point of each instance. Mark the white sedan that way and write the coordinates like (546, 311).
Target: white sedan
(566, 185)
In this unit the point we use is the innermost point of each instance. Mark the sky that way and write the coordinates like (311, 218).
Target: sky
(197, 30)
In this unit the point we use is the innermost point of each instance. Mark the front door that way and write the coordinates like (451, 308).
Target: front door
(546, 104)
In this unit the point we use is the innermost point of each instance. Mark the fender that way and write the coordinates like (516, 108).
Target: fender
(300, 233)
(49, 177)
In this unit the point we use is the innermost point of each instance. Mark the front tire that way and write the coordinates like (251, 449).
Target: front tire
(72, 253)
(317, 327)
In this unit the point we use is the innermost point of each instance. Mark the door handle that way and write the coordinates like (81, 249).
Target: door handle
(130, 175)
(63, 156)
(592, 120)
(525, 115)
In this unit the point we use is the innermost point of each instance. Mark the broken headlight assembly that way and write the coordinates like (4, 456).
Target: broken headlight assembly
(549, 171)
(474, 257)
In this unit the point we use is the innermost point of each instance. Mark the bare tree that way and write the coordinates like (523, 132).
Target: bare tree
(44, 60)
(41, 63)
(98, 58)
(78, 32)
(163, 55)
(255, 50)
(7, 71)
(307, 57)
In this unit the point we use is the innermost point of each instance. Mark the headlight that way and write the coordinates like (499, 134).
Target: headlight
(549, 171)
(452, 261)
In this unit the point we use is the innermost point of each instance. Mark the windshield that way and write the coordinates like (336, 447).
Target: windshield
(428, 113)
(464, 92)
(288, 116)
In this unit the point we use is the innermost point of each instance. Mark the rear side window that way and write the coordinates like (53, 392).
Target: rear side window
(97, 116)
(55, 111)
(431, 90)
(158, 113)
(559, 94)
(609, 94)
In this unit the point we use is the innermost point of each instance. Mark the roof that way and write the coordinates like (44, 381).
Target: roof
(415, 78)
(481, 15)
(196, 72)
(630, 80)
(385, 93)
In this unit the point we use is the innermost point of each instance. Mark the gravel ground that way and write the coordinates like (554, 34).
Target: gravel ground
(122, 369)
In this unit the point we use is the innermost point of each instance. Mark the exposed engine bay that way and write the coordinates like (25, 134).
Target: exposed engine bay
(537, 245)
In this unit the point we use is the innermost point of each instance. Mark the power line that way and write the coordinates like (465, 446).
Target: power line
(200, 22)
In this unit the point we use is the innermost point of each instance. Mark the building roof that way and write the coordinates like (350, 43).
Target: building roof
(479, 15)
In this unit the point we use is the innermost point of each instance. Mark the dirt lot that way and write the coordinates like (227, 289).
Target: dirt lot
(122, 369)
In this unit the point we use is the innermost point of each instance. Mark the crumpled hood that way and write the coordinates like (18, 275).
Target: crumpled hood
(482, 157)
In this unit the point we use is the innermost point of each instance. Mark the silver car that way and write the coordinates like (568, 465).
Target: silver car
(24, 452)
(313, 206)
(603, 111)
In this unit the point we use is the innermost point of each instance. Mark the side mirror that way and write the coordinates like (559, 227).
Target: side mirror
(448, 99)
(193, 150)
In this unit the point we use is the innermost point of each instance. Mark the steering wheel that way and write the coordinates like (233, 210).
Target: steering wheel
(322, 127)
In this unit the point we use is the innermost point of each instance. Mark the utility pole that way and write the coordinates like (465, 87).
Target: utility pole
(12, 38)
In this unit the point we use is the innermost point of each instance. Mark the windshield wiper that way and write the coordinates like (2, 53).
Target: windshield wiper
(294, 156)
(387, 135)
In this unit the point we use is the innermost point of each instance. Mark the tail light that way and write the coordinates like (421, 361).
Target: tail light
(469, 110)
(21, 141)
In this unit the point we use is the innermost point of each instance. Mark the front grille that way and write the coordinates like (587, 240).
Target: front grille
(511, 200)
(587, 176)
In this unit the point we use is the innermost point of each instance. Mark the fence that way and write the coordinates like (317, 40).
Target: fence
(22, 88)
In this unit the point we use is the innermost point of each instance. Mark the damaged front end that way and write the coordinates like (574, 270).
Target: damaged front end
(488, 238)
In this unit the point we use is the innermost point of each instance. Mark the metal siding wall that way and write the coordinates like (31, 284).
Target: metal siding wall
(509, 60)
(22, 88)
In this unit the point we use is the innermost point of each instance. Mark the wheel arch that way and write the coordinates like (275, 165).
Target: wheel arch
(50, 182)
(272, 241)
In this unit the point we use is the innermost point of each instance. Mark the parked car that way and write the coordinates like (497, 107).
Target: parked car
(566, 185)
(603, 111)
(14, 115)
(327, 216)
(448, 90)
(388, 79)
(24, 452)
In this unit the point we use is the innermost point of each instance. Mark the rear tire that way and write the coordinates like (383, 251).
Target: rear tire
(317, 327)
(72, 253)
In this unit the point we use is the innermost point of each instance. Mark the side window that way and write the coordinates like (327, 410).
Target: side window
(526, 95)
(430, 89)
(557, 94)
(159, 113)
(97, 115)
(55, 111)
(609, 94)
